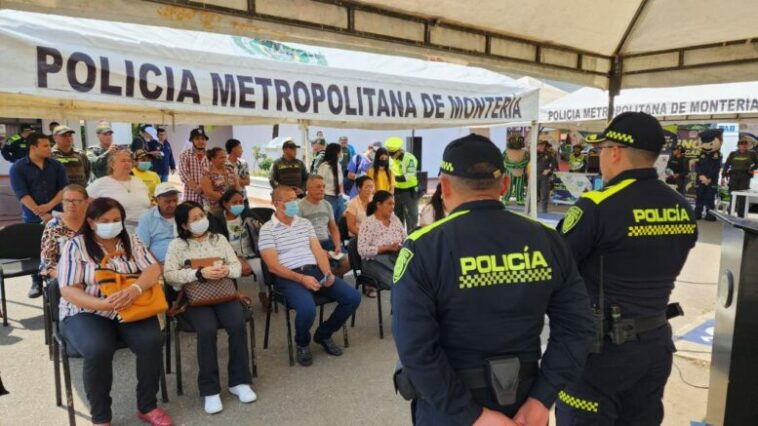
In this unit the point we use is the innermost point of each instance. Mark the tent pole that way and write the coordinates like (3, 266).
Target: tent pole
(304, 144)
(531, 207)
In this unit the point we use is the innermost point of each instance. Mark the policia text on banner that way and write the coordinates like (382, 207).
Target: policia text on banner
(153, 82)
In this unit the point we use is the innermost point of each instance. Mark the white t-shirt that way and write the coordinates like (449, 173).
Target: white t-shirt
(238, 237)
(325, 171)
(132, 194)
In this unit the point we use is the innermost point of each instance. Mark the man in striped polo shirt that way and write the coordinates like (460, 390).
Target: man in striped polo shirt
(292, 252)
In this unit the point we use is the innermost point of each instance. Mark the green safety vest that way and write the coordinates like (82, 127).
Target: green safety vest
(404, 170)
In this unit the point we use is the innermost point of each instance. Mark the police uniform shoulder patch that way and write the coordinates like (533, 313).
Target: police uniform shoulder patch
(573, 215)
(401, 264)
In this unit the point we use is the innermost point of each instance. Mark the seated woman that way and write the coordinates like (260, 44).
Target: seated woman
(120, 185)
(380, 239)
(356, 208)
(88, 320)
(61, 229)
(217, 180)
(196, 242)
(434, 210)
(240, 226)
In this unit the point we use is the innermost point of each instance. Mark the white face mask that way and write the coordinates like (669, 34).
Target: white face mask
(199, 227)
(107, 231)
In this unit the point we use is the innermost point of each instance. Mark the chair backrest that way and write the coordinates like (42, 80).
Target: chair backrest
(344, 232)
(54, 299)
(268, 277)
(21, 241)
(352, 254)
(264, 213)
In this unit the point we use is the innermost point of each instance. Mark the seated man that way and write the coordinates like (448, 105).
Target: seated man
(289, 246)
(319, 213)
(156, 226)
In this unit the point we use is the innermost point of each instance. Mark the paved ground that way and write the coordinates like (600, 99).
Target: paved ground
(353, 389)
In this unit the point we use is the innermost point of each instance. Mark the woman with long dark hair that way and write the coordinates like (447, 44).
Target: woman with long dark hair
(380, 172)
(380, 238)
(332, 173)
(434, 210)
(88, 319)
(196, 242)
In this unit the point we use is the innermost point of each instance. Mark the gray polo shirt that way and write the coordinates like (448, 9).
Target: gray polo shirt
(319, 215)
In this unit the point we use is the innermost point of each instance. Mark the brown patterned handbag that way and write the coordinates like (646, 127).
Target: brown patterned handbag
(207, 292)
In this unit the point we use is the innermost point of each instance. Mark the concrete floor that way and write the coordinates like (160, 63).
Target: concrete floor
(353, 389)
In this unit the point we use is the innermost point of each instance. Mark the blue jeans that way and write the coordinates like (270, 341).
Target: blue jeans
(338, 205)
(302, 301)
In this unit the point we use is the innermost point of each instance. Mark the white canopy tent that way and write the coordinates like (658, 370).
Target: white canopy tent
(67, 68)
(588, 108)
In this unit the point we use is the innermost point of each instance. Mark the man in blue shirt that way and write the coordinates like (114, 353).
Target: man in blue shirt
(163, 161)
(156, 226)
(359, 165)
(38, 181)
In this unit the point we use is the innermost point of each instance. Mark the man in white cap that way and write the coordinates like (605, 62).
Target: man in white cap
(156, 226)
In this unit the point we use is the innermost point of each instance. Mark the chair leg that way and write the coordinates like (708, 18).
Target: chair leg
(253, 359)
(352, 321)
(268, 324)
(4, 308)
(69, 391)
(57, 372)
(164, 391)
(379, 310)
(344, 335)
(289, 336)
(46, 318)
(168, 346)
(178, 359)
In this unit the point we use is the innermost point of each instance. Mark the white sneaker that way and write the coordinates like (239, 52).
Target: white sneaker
(244, 393)
(213, 404)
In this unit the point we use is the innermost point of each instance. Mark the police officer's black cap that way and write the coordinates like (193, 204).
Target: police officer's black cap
(198, 132)
(634, 129)
(27, 126)
(463, 158)
(711, 134)
(290, 144)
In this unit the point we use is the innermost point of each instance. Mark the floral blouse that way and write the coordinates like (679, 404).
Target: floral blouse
(220, 182)
(373, 233)
(54, 236)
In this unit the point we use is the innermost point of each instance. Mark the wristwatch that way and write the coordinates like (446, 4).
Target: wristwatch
(199, 274)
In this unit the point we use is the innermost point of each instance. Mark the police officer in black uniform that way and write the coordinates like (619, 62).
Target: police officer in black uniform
(739, 168)
(630, 240)
(679, 168)
(469, 299)
(707, 173)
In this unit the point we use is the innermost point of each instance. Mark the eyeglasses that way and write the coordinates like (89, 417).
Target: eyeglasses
(73, 202)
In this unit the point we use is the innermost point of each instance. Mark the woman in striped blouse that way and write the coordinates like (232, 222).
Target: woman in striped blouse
(88, 319)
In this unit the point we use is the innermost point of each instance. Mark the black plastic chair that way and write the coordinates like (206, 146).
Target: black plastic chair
(19, 256)
(180, 325)
(62, 352)
(344, 232)
(277, 297)
(365, 281)
(263, 213)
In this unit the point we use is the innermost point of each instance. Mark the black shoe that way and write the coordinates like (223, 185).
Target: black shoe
(710, 219)
(329, 346)
(35, 290)
(698, 217)
(304, 356)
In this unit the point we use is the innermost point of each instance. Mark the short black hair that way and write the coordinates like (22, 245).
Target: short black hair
(211, 153)
(35, 137)
(231, 144)
(160, 129)
(361, 180)
(53, 125)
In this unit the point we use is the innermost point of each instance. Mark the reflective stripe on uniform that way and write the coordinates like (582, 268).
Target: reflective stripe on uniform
(598, 197)
(668, 229)
(418, 233)
(578, 403)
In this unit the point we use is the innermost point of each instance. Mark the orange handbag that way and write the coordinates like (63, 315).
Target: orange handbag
(148, 304)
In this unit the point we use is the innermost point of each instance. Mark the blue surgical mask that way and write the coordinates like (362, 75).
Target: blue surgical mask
(237, 209)
(291, 208)
(107, 231)
(144, 165)
(199, 227)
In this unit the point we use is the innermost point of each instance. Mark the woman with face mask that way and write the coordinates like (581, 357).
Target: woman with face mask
(142, 170)
(380, 172)
(120, 185)
(218, 179)
(88, 319)
(241, 227)
(196, 242)
(331, 171)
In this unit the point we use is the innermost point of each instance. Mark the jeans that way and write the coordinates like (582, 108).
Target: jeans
(95, 338)
(406, 208)
(164, 177)
(338, 205)
(206, 321)
(301, 300)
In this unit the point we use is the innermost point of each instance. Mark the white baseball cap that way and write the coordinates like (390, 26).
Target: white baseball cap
(165, 188)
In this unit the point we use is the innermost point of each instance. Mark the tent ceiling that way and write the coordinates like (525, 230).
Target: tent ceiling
(655, 43)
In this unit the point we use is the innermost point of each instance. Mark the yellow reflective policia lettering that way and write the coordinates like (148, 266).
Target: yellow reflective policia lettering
(598, 197)
(671, 214)
(505, 268)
